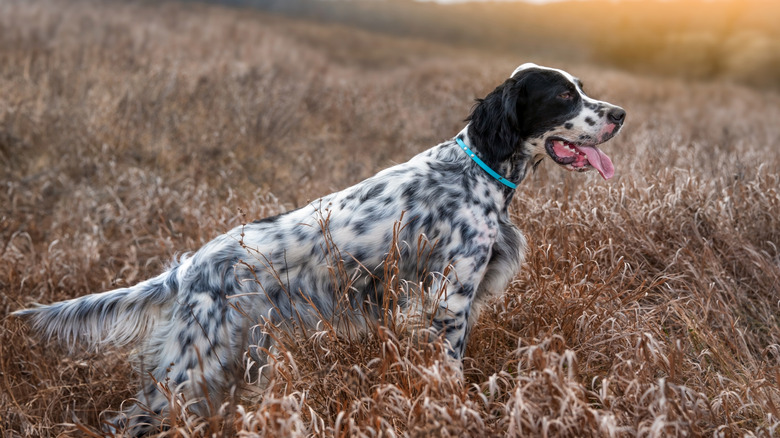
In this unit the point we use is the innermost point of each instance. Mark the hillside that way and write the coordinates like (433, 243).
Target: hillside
(132, 132)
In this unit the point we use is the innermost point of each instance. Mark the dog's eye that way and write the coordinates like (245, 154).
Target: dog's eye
(566, 95)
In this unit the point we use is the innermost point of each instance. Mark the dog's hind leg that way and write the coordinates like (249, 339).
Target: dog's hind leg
(191, 368)
(192, 359)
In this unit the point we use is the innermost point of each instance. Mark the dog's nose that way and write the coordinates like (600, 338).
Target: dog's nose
(616, 115)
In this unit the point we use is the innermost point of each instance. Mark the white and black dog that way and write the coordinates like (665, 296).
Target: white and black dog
(442, 216)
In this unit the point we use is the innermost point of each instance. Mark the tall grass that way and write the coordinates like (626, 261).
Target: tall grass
(130, 132)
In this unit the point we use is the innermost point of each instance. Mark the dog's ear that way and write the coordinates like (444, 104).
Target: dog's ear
(496, 122)
(514, 104)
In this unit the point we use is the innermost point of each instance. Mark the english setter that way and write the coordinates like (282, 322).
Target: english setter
(444, 211)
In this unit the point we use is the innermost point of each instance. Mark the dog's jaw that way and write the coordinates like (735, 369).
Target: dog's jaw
(579, 157)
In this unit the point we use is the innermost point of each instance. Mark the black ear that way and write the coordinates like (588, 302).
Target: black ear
(496, 122)
(511, 96)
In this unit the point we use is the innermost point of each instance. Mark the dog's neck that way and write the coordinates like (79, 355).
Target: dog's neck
(513, 168)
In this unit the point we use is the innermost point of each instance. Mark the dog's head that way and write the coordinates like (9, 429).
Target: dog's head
(541, 111)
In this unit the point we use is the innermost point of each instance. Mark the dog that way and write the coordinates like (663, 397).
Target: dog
(442, 217)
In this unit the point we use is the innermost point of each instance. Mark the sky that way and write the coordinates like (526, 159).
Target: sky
(538, 2)
(477, 1)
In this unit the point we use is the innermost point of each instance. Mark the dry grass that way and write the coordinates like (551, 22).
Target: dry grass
(648, 305)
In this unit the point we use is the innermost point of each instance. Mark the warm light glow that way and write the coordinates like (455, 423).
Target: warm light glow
(693, 38)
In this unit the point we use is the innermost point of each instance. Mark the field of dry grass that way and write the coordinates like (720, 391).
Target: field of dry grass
(131, 132)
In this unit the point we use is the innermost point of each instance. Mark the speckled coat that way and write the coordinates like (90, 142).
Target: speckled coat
(431, 237)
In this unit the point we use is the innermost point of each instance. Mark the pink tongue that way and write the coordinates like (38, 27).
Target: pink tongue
(599, 160)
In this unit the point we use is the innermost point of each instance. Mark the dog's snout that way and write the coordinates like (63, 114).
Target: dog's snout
(616, 115)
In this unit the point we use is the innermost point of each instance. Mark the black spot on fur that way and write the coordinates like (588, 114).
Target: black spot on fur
(360, 227)
(185, 341)
(271, 220)
(373, 192)
(410, 191)
(360, 254)
(171, 282)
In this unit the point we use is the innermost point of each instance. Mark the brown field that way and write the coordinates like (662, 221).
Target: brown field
(132, 132)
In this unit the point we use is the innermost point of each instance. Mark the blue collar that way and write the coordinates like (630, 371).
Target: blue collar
(484, 166)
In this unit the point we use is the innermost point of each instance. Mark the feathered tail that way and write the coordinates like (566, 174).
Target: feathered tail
(116, 317)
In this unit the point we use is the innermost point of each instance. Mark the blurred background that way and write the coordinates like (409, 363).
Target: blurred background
(699, 39)
(134, 131)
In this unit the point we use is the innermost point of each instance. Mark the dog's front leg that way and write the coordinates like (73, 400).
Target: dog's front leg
(454, 295)
(450, 322)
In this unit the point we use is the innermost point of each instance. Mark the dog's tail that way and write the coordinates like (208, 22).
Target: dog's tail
(116, 317)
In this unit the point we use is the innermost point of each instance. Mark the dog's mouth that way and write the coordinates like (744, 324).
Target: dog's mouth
(580, 157)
